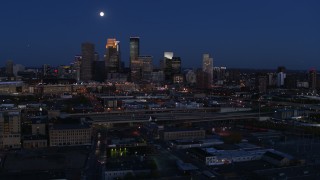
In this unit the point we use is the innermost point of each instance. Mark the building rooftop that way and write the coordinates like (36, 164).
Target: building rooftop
(181, 130)
(200, 141)
(10, 113)
(247, 146)
(199, 151)
(69, 126)
(6, 83)
(39, 120)
(277, 155)
(185, 166)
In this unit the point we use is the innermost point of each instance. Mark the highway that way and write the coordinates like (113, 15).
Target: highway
(147, 111)
(174, 117)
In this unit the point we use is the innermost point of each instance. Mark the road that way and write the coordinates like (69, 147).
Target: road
(182, 117)
(93, 169)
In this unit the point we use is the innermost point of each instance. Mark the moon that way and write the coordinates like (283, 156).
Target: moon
(101, 14)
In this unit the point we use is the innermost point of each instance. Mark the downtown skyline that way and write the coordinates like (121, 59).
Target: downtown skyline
(237, 35)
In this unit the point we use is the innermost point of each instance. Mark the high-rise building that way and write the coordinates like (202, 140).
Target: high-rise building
(313, 79)
(207, 66)
(9, 68)
(261, 83)
(46, 70)
(202, 79)
(292, 81)
(96, 56)
(171, 65)
(134, 47)
(135, 68)
(281, 76)
(168, 55)
(77, 67)
(271, 79)
(112, 56)
(219, 75)
(191, 77)
(141, 68)
(88, 56)
(157, 76)
(10, 129)
(146, 67)
(99, 71)
(134, 54)
(176, 65)
(18, 68)
(178, 78)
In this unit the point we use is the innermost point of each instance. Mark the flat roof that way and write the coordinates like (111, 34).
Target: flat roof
(186, 166)
(10, 113)
(11, 83)
(69, 126)
(181, 130)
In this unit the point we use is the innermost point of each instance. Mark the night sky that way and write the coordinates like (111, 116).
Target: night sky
(237, 33)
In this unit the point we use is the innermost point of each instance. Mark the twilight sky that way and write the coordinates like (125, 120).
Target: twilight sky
(237, 33)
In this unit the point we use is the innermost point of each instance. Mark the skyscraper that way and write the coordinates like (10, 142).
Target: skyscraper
(176, 65)
(261, 83)
(18, 68)
(9, 68)
(281, 76)
(46, 70)
(112, 56)
(77, 67)
(202, 79)
(207, 66)
(167, 56)
(134, 47)
(219, 74)
(171, 65)
(98, 69)
(146, 67)
(134, 61)
(96, 56)
(191, 77)
(313, 79)
(87, 61)
(164, 64)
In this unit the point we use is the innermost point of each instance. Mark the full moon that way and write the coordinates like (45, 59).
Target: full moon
(101, 14)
